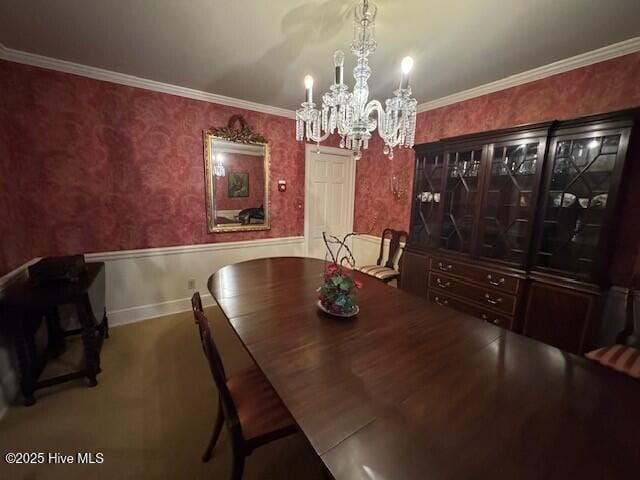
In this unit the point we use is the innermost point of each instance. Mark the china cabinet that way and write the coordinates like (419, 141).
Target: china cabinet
(516, 226)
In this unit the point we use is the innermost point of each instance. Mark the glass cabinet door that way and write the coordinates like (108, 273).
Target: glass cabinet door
(459, 199)
(510, 200)
(582, 171)
(426, 201)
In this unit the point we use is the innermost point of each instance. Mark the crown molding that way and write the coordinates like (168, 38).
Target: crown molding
(35, 60)
(589, 58)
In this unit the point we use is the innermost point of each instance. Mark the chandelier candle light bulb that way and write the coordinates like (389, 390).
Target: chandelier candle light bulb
(406, 66)
(308, 85)
(351, 114)
(338, 62)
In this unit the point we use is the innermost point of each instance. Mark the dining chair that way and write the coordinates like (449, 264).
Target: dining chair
(247, 403)
(387, 272)
(624, 356)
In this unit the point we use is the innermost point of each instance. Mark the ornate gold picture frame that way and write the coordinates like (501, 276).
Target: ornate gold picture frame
(226, 145)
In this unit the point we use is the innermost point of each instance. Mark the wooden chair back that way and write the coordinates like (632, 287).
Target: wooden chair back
(396, 237)
(196, 304)
(631, 334)
(215, 365)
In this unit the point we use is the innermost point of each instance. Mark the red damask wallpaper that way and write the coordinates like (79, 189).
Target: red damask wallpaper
(11, 231)
(602, 87)
(92, 166)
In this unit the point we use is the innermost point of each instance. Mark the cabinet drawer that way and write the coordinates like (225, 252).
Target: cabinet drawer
(483, 276)
(485, 296)
(474, 310)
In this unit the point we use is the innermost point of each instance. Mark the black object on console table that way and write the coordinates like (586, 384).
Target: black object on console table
(26, 303)
(515, 226)
(57, 269)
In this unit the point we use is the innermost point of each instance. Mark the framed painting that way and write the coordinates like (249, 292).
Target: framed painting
(238, 185)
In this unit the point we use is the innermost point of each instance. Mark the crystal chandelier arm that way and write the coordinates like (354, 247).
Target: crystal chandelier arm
(376, 106)
(316, 129)
(321, 138)
(387, 123)
(352, 114)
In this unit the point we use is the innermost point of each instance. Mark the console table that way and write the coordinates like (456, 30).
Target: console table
(25, 306)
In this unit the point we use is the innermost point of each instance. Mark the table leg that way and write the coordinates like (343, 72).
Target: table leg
(91, 354)
(27, 359)
(105, 323)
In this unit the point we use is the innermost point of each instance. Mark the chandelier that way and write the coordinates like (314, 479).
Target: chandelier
(352, 114)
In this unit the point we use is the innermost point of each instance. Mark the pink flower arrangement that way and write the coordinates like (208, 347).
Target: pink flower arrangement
(338, 292)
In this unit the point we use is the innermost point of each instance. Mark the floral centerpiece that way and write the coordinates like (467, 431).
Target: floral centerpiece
(338, 292)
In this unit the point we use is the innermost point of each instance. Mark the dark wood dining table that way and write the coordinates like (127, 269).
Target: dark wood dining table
(411, 390)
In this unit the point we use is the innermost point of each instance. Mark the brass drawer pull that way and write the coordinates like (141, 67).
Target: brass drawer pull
(444, 268)
(491, 300)
(495, 321)
(442, 303)
(442, 284)
(493, 282)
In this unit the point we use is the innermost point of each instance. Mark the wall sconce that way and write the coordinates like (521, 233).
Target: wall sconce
(399, 186)
(282, 185)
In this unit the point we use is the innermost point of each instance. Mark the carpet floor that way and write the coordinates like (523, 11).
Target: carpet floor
(151, 414)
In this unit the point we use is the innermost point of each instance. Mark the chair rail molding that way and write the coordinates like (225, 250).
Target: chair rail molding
(182, 249)
(15, 274)
(152, 282)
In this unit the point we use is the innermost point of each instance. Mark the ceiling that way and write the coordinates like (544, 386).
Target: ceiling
(258, 50)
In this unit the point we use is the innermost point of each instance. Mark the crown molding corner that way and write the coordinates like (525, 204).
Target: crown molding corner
(58, 65)
(589, 58)
(619, 49)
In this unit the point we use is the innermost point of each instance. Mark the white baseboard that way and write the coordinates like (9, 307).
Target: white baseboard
(144, 312)
(146, 283)
(152, 282)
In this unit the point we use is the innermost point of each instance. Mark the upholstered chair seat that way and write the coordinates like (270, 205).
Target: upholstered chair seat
(260, 410)
(624, 356)
(621, 358)
(386, 272)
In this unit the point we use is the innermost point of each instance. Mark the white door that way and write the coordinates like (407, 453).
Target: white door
(329, 196)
